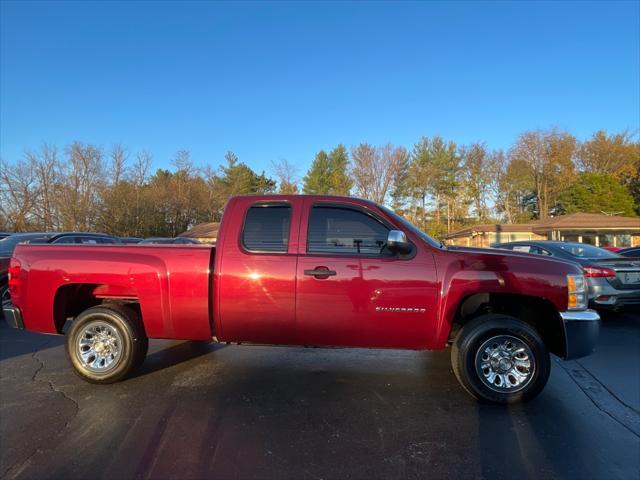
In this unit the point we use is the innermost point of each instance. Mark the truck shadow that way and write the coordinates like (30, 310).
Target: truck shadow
(14, 342)
(173, 355)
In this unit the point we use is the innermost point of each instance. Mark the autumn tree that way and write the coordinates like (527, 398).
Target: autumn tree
(479, 170)
(287, 176)
(615, 154)
(375, 169)
(549, 159)
(512, 188)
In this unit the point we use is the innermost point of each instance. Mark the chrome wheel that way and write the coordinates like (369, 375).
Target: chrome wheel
(505, 364)
(99, 347)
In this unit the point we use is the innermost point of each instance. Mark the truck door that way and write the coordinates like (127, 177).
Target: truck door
(351, 291)
(256, 283)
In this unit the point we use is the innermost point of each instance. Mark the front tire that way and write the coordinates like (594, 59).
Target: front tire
(500, 359)
(106, 343)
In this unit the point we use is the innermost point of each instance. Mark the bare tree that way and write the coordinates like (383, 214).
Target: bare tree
(18, 194)
(46, 167)
(374, 169)
(117, 163)
(287, 175)
(83, 182)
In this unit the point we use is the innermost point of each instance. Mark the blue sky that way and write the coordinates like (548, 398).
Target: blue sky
(282, 80)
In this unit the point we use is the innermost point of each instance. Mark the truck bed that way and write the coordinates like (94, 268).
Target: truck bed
(171, 284)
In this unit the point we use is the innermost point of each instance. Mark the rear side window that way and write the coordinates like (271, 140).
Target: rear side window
(343, 230)
(67, 239)
(266, 228)
(88, 240)
(539, 251)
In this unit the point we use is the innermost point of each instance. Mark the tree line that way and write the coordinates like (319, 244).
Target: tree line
(436, 183)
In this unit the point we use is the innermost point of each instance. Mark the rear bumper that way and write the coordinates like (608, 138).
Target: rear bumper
(616, 301)
(13, 316)
(603, 295)
(581, 331)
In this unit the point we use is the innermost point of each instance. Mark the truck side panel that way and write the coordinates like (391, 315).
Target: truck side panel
(171, 284)
(255, 291)
(493, 272)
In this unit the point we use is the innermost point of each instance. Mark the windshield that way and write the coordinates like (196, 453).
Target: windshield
(411, 227)
(582, 250)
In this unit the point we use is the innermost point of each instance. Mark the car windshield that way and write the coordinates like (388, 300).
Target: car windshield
(583, 250)
(411, 227)
(8, 244)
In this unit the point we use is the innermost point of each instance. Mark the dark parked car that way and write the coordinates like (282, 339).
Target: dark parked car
(630, 252)
(130, 240)
(170, 241)
(614, 280)
(5, 234)
(8, 244)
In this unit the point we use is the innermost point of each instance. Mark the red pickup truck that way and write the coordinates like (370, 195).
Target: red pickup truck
(313, 271)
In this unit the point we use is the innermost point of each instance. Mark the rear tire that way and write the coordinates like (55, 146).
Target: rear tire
(106, 343)
(500, 359)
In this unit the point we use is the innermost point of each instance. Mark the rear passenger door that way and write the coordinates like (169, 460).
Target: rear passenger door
(257, 284)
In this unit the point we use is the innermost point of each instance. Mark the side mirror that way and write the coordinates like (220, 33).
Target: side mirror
(397, 242)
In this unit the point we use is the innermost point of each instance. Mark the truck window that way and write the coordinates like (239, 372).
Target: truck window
(266, 228)
(344, 230)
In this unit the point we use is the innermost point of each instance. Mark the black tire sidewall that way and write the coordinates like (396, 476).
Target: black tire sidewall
(132, 343)
(480, 329)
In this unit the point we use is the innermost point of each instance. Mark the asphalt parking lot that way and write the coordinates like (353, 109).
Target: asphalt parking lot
(217, 411)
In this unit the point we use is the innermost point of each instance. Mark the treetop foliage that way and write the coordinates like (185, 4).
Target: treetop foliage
(436, 183)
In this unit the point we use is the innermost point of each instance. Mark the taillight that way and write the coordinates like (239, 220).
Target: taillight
(14, 276)
(591, 271)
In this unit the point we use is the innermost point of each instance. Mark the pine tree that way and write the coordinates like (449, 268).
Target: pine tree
(596, 193)
(318, 178)
(340, 181)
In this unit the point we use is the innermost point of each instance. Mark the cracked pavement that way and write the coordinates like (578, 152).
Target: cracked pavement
(203, 411)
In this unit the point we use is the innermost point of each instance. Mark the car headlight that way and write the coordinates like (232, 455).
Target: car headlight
(577, 291)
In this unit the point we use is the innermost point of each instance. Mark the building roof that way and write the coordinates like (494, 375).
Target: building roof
(572, 221)
(202, 230)
(587, 220)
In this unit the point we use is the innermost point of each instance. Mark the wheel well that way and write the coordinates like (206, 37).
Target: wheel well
(71, 300)
(537, 312)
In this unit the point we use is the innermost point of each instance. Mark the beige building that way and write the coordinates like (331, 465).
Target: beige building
(593, 228)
